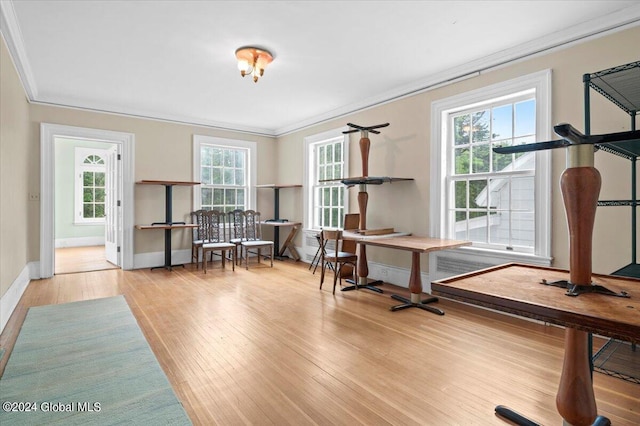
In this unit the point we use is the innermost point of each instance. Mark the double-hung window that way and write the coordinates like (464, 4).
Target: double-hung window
(226, 171)
(90, 185)
(500, 202)
(327, 156)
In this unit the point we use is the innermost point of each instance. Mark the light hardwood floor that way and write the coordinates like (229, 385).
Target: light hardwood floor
(81, 259)
(266, 346)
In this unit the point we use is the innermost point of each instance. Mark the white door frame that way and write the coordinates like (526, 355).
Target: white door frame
(126, 141)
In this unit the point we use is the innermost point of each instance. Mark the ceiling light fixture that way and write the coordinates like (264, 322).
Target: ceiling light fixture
(253, 60)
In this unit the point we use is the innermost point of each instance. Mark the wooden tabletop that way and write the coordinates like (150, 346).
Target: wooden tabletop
(412, 243)
(163, 226)
(166, 182)
(277, 223)
(274, 186)
(517, 289)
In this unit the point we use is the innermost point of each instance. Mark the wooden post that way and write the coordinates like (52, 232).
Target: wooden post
(580, 184)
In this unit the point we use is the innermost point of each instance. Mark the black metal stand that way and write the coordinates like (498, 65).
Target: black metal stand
(521, 420)
(422, 304)
(370, 285)
(168, 203)
(576, 290)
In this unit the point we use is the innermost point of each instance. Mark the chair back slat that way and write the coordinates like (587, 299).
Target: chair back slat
(236, 222)
(197, 218)
(252, 225)
(214, 226)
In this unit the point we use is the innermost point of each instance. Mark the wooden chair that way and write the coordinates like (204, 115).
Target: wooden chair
(236, 223)
(197, 235)
(215, 240)
(253, 238)
(335, 257)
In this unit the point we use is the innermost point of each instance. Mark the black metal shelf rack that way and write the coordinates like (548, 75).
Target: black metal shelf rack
(620, 85)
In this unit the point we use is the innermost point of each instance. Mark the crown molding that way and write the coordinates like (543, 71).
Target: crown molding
(12, 35)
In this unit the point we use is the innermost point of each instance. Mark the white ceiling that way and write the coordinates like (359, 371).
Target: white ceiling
(175, 60)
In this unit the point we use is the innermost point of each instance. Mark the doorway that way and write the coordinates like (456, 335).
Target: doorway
(118, 149)
(86, 189)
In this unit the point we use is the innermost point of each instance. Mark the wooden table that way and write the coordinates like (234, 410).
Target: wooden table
(363, 269)
(288, 243)
(416, 245)
(517, 289)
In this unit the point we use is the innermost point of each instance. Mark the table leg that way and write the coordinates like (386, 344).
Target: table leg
(363, 274)
(415, 287)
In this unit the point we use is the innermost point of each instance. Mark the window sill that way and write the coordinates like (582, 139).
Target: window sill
(499, 256)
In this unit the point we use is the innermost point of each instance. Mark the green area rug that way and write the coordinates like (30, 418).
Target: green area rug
(85, 363)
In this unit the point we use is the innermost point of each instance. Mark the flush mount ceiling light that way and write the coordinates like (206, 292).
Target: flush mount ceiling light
(253, 60)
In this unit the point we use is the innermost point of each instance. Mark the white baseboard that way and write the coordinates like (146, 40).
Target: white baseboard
(153, 259)
(10, 299)
(79, 242)
(396, 276)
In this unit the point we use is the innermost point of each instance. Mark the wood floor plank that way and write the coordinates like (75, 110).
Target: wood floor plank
(266, 346)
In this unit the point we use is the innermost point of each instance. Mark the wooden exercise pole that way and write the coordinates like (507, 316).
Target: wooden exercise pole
(363, 195)
(580, 185)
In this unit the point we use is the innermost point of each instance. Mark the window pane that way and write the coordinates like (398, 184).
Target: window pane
(502, 162)
(461, 127)
(460, 226)
(525, 113)
(239, 175)
(480, 129)
(99, 194)
(326, 197)
(87, 211)
(337, 171)
(99, 179)
(216, 176)
(461, 161)
(502, 123)
(335, 199)
(500, 228)
(217, 157)
(99, 210)
(206, 156)
(87, 178)
(524, 160)
(522, 190)
(481, 155)
(229, 158)
(338, 153)
(523, 229)
(229, 177)
(499, 193)
(218, 196)
(240, 159)
(321, 173)
(321, 154)
(229, 196)
(240, 198)
(460, 189)
(478, 228)
(326, 220)
(87, 195)
(478, 196)
(329, 154)
(207, 196)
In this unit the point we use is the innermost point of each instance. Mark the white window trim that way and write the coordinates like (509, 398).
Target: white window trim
(80, 154)
(541, 82)
(309, 141)
(252, 168)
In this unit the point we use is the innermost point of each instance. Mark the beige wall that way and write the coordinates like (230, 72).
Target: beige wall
(16, 180)
(403, 149)
(163, 151)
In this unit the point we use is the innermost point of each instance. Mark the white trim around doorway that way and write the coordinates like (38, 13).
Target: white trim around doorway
(126, 142)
